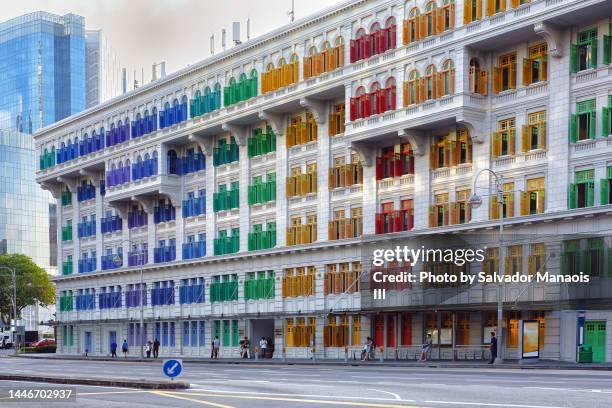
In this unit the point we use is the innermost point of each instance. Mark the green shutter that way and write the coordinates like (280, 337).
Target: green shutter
(590, 193)
(604, 191)
(573, 128)
(605, 121)
(573, 58)
(592, 125)
(571, 196)
(593, 60)
(606, 52)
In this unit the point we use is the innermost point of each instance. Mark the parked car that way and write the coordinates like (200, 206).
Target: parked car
(44, 342)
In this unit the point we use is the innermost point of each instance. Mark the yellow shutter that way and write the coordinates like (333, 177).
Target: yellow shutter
(524, 203)
(478, 9)
(467, 15)
(454, 213)
(525, 142)
(514, 3)
(511, 142)
(510, 205)
(493, 208)
(433, 219)
(542, 136)
(497, 83)
(490, 7)
(527, 70)
(433, 162)
(512, 76)
(483, 79)
(496, 144)
(541, 202)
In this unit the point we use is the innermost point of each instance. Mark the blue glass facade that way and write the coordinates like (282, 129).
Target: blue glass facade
(42, 70)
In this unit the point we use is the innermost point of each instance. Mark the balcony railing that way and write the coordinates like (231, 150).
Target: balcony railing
(226, 200)
(67, 233)
(87, 265)
(112, 261)
(137, 219)
(394, 221)
(67, 268)
(111, 224)
(301, 234)
(164, 254)
(194, 206)
(138, 258)
(193, 250)
(86, 229)
(164, 213)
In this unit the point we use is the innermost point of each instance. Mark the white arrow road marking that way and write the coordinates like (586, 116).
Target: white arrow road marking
(397, 397)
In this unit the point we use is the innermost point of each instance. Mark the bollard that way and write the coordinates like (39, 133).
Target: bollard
(381, 359)
(345, 354)
(284, 354)
(314, 358)
(256, 353)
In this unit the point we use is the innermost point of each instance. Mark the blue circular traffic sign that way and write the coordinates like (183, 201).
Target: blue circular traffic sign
(172, 367)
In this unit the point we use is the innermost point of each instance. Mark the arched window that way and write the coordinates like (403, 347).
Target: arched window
(167, 106)
(390, 94)
(243, 77)
(146, 157)
(390, 22)
(232, 81)
(447, 78)
(478, 78)
(295, 57)
(312, 50)
(374, 27)
(430, 82)
(281, 62)
(411, 31)
(120, 165)
(326, 45)
(253, 73)
(360, 33)
(339, 40)
(217, 87)
(207, 90)
(411, 89)
(359, 91)
(269, 67)
(375, 106)
(431, 21)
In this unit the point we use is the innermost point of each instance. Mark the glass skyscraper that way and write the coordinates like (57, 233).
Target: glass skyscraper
(42, 80)
(42, 70)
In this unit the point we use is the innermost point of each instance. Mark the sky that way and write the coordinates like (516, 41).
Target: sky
(176, 31)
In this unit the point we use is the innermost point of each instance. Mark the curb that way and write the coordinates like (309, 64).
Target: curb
(140, 384)
(392, 363)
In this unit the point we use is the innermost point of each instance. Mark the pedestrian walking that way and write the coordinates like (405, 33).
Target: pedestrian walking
(156, 348)
(215, 347)
(113, 349)
(124, 348)
(366, 350)
(426, 349)
(493, 348)
(148, 348)
(245, 346)
(263, 345)
(371, 349)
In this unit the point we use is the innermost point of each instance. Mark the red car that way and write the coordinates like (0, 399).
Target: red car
(44, 342)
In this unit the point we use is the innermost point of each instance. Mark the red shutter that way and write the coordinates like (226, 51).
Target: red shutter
(393, 92)
(379, 168)
(379, 223)
(411, 165)
(366, 46)
(397, 222)
(353, 109)
(353, 47)
(398, 166)
(366, 105)
(393, 33)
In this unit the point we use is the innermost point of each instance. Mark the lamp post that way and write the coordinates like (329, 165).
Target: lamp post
(141, 296)
(14, 279)
(475, 202)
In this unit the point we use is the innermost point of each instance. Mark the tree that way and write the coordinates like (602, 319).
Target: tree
(33, 285)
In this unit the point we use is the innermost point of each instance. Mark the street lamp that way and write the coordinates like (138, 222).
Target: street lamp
(14, 279)
(141, 295)
(475, 201)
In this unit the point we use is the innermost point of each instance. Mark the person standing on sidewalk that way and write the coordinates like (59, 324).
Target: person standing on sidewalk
(124, 348)
(493, 348)
(427, 346)
(263, 345)
(215, 347)
(113, 349)
(156, 348)
(148, 349)
(245, 345)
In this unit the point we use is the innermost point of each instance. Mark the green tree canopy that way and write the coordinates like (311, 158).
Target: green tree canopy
(33, 285)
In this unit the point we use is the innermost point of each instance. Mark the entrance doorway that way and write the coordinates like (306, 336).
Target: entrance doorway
(262, 328)
(112, 338)
(88, 342)
(595, 337)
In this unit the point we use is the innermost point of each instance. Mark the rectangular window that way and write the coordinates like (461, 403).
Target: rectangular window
(504, 75)
(535, 67)
(532, 199)
(581, 193)
(503, 141)
(583, 54)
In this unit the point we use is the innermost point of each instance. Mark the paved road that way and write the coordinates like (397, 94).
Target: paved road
(231, 385)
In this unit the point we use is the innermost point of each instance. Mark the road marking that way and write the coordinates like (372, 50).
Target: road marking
(397, 397)
(296, 400)
(212, 404)
(300, 395)
(487, 404)
(571, 389)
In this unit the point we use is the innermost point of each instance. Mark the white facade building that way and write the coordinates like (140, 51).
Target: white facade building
(256, 203)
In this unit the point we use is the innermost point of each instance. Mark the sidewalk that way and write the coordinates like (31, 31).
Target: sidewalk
(510, 364)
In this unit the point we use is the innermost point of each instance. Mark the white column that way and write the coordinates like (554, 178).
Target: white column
(281, 198)
(210, 215)
(323, 164)
(245, 209)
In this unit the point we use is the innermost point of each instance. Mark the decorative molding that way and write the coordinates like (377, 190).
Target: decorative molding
(366, 151)
(205, 143)
(416, 138)
(147, 203)
(121, 207)
(318, 108)
(240, 133)
(275, 120)
(55, 189)
(553, 37)
(475, 124)
(93, 177)
(70, 183)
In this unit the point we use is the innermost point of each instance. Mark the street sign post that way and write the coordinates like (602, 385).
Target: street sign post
(172, 368)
